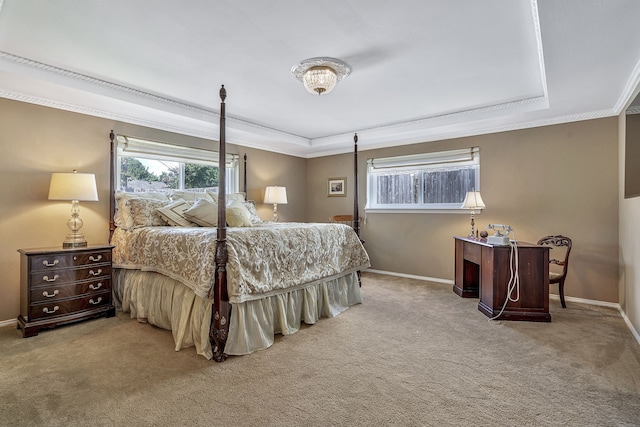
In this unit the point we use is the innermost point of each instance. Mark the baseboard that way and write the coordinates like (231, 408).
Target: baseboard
(411, 276)
(614, 305)
(630, 325)
(7, 323)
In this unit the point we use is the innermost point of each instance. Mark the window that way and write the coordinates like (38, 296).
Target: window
(144, 166)
(423, 181)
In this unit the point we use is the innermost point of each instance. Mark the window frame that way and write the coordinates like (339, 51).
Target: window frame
(136, 148)
(420, 162)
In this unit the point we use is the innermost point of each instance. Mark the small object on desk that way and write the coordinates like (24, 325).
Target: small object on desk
(500, 234)
(59, 286)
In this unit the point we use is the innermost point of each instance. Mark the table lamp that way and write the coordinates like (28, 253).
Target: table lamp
(75, 187)
(276, 195)
(473, 201)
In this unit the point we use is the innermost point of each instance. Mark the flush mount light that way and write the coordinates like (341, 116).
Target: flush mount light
(320, 75)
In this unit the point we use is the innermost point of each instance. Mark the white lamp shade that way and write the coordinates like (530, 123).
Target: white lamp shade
(73, 186)
(473, 200)
(275, 194)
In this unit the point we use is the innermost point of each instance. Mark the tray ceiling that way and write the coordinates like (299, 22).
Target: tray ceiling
(422, 70)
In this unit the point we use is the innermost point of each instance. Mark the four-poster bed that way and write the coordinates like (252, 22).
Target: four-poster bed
(231, 294)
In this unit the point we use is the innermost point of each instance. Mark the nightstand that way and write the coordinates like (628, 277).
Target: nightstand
(59, 286)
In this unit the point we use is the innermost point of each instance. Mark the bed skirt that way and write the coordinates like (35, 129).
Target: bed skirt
(168, 304)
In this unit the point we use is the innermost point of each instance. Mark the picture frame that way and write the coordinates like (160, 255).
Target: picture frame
(337, 187)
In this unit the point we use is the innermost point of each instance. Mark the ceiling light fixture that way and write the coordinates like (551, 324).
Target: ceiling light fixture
(320, 75)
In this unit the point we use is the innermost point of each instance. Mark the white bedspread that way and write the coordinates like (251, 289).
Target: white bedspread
(263, 260)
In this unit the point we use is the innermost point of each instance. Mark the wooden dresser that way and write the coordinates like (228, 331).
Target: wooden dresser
(59, 286)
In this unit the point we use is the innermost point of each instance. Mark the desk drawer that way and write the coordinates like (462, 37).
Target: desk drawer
(473, 252)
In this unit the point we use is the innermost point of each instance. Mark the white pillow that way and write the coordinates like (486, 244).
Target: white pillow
(173, 213)
(228, 197)
(189, 196)
(203, 212)
(238, 215)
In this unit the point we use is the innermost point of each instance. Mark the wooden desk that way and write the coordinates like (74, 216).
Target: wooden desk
(483, 271)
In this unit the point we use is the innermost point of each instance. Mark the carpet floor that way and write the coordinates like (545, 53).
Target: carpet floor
(413, 354)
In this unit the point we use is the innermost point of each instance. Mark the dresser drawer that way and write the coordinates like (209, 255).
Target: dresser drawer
(69, 275)
(62, 291)
(58, 308)
(56, 261)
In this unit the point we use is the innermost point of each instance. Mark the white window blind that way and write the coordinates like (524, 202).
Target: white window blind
(133, 147)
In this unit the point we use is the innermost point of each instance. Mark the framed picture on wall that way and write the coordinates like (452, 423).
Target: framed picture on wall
(337, 187)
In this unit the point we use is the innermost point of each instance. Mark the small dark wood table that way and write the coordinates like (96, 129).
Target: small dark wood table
(483, 271)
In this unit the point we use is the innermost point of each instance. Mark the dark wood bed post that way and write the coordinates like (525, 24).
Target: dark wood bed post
(244, 184)
(112, 198)
(356, 214)
(221, 309)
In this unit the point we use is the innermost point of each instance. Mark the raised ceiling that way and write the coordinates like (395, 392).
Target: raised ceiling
(422, 70)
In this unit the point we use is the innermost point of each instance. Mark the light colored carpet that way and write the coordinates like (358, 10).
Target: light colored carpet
(413, 354)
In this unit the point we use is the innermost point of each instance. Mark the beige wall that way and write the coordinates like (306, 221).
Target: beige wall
(629, 235)
(559, 179)
(36, 141)
(555, 179)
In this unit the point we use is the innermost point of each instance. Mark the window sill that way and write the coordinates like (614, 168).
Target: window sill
(418, 210)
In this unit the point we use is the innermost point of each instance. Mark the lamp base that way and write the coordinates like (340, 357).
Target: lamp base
(74, 244)
(74, 240)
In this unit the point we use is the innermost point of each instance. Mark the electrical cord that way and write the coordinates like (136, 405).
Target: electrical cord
(514, 278)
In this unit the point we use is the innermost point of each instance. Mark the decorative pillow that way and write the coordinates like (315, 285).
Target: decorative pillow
(173, 213)
(203, 212)
(190, 196)
(144, 212)
(228, 197)
(122, 217)
(253, 213)
(238, 215)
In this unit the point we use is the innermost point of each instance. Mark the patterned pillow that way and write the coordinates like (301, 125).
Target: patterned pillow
(253, 213)
(144, 212)
(173, 213)
(203, 212)
(238, 215)
(123, 218)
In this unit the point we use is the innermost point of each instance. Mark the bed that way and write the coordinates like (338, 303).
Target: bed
(229, 289)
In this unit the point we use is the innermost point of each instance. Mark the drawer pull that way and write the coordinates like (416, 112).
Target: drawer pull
(94, 273)
(48, 295)
(46, 309)
(98, 301)
(50, 264)
(53, 279)
(94, 287)
(96, 259)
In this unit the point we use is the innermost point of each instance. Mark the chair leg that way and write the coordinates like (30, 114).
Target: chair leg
(561, 292)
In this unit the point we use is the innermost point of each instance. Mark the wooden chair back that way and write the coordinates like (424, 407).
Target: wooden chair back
(558, 275)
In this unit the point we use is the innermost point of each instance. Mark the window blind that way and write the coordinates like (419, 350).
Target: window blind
(156, 150)
(424, 159)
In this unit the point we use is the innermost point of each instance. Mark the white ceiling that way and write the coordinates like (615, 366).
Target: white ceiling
(422, 70)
